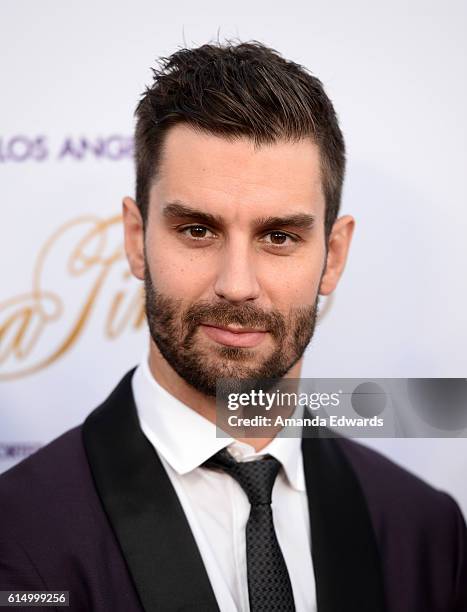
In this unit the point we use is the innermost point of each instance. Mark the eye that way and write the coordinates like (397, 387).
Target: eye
(196, 232)
(280, 239)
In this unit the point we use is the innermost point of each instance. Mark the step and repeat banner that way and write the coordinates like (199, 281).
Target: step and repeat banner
(71, 315)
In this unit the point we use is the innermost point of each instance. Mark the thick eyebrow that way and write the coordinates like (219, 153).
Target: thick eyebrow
(299, 220)
(179, 210)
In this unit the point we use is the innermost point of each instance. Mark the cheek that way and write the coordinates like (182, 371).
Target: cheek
(294, 282)
(174, 272)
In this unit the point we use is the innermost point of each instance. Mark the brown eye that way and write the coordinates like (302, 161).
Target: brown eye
(197, 231)
(278, 237)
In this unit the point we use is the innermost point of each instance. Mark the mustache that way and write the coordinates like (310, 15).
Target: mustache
(224, 314)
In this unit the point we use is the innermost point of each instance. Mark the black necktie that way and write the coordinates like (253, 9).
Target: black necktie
(269, 587)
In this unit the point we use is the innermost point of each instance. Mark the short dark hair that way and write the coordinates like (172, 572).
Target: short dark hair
(234, 90)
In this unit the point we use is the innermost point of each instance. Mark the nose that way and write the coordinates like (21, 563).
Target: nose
(236, 279)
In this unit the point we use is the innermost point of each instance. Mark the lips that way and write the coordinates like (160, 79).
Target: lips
(246, 337)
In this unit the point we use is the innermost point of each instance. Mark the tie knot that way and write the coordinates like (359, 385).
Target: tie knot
(255, 477)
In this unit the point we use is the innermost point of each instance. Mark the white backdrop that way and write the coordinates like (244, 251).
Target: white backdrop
(71, 77)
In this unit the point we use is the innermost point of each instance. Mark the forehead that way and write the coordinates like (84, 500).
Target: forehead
(213, 172)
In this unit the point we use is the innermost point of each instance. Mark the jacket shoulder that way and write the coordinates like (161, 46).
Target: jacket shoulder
(47, 467)
(418, 527)
(395, 486)
(44, 491)
(54, 533)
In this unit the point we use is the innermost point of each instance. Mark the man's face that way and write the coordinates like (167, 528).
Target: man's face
(234, 241)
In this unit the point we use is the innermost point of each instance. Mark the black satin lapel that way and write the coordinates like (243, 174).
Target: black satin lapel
(347, 566)
(144, 510)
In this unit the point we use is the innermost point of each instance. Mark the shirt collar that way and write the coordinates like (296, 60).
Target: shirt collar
(285, 450)
(186, 439)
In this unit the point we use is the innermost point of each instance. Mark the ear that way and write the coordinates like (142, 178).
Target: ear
(338, 247)
(134, 237)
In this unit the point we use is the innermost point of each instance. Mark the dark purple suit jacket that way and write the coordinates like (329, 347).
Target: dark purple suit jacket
(94, 513)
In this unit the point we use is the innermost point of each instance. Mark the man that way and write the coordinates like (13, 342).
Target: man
(235, 233)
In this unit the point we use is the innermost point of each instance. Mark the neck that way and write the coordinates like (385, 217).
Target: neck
(204, 405)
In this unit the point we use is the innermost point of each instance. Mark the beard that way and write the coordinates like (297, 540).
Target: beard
(173, 329)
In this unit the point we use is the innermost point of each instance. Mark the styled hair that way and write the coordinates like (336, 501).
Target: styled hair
(234, 90)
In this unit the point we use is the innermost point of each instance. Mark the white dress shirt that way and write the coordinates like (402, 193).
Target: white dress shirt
(215, 505)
